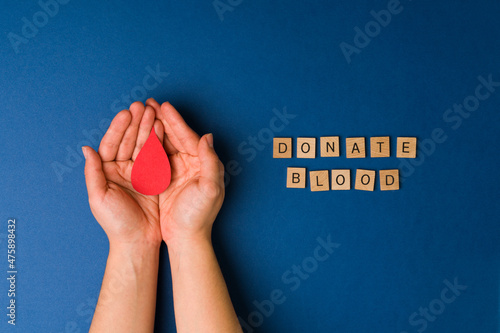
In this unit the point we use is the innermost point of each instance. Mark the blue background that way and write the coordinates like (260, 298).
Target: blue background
(226, 75)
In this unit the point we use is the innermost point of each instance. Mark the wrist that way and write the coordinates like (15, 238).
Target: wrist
(135, 249)
(179, 245)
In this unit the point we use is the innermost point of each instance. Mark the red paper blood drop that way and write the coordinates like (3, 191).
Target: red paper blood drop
(151, 171)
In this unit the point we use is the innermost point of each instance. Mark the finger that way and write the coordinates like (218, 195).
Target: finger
(154, 104)
(94, 176)
(210, 181)
(183, 133)
(171, 143)
(145, 126)
(113, 137)
(127, 145)
(169, 137)
(159, 130)
(169, 147)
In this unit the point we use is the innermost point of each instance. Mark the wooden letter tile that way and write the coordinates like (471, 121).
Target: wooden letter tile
(355, 147)
(407, 147)
(341, 179)
(296, 177)
(365, 180)
(319, 180)
(380, 146)
(306, 147)
(389, 180)
(282, 147)
(330, 146)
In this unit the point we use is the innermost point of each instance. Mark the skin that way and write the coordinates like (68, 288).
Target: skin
(136, 224)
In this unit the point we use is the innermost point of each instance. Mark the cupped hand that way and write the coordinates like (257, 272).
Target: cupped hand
(126, 216)
(188, 207)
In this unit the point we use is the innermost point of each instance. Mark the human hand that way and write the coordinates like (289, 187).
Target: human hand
(190, 204)
(127, 217)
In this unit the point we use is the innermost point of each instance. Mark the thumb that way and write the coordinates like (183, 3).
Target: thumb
(94, 176)
(210, 180)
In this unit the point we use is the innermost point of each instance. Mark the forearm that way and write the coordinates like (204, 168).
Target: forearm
(127, 300)
(201, 299)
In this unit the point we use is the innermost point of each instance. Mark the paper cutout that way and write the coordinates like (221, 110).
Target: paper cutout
(151, 172)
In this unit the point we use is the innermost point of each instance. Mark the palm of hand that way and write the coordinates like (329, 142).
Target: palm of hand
(177, 202)
(138, 213)
(125, 215)
(191, 202)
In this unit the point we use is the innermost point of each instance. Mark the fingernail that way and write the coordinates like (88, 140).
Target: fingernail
(84, 151)
(210, 140)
